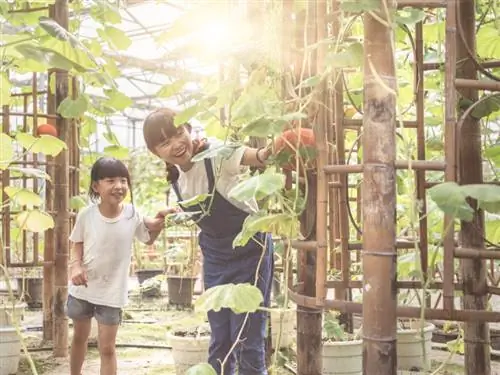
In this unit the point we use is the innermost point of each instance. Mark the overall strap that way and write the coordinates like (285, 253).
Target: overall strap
(177, 192)
(210, 175)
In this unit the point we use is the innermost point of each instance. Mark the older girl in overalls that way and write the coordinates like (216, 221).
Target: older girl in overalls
(222, 263)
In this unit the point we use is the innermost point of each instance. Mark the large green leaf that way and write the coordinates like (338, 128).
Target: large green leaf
(105, 13)
(258, 187)
(117, 151)
(117, 100)
(240, 298)
(30, 172)
(281, 225)
(201, 369)
(116, 38)
(6, 151)
(451, 199)
(356, 6)
(45, 144)
(493, 153)
(351, 57)
(170, 89)
(73, 108)
(487, 195)
(223, 150)
(35, 221)
(188, 113)
(23, 196)
(409, 16)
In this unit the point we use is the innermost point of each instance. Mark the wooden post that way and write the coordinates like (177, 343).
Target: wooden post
(61, 204)
(379, 196)
(474, 271)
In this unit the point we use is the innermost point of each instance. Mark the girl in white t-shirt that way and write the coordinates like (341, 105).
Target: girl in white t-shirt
(102, 248)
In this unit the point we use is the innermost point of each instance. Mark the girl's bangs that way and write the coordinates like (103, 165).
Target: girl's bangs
(110, 168)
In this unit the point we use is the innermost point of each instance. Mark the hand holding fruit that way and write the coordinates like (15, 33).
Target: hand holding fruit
(291, 142)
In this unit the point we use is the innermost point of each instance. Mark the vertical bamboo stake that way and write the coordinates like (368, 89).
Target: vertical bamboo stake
(61, 204)
(450, 173)
(379, 195)
(474, 271)
(5, 198)
(322, 158)
(49, 242)
(34, 96)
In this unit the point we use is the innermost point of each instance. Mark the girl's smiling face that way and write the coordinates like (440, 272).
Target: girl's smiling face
(176, 148)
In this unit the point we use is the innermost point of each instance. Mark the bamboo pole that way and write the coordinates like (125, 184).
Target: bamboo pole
(61, 204)
(474, 271)
(379, 196)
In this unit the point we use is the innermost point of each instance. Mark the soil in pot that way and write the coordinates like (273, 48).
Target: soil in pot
(180, 290)
(189, 348)
(143, 275)
(33, 291)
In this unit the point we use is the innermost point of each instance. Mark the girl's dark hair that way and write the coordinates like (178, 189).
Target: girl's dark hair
(108, 167)
(158, 127)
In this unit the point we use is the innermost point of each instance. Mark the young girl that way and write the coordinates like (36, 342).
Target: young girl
(102, 248)
(222, 264)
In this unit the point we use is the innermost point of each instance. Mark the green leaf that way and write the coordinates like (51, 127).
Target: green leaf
(258, 187)
(451, 199)
(200, 198)
(116, 151)
(5, 87)
(104, 12)
(117, 100)
(201, 369)
(240, 298)
(57, 31)
(493, 153)
(170, 89)
(263, 127)
(23, 196)
(31, 172)
(115, 37)
(351, 57)
(70, 108)
(409, 16)
(487, 107)
(6, 151)
(284, 225)
(35, 221)
(77, 203)
(187, 114)
(310, 82)
(492, 229)
(224, 150)
(487, 195)
(45, 144)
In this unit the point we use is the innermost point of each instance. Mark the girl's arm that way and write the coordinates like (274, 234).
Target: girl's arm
(256, 157)
(154, 226)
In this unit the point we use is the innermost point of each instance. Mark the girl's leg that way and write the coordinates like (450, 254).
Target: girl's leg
(81, 331)
(81, 313)
(109, 319)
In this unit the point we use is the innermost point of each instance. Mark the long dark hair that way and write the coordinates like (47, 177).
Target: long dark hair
(158, 127)
(108, 167)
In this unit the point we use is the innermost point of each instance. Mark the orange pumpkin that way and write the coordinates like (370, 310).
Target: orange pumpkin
(291, 142)
(46, 129)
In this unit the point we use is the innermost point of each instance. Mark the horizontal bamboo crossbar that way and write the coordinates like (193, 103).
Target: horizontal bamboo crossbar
(402, 311)
(421, 165)
(27, 114)
(438, 65)
(476, 253)
(477, 84)
(422, 3)
(356, 123)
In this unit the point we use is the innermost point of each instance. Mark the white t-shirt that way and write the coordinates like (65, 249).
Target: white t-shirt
(107, 251)
(226, 170)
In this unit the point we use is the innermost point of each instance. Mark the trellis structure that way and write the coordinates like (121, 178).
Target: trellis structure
(379, 244)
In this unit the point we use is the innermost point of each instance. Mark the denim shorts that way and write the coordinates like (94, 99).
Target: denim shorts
(78, 309)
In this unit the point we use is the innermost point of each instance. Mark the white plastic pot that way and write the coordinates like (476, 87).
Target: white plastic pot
(343, 358)
(10, 350)
(410, 348)
(284, 321)
(11, 313)
(188, 351)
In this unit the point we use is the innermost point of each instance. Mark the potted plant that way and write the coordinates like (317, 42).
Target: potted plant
(283, 321)
(414, 345)
(189, 346)
(342, 352)
(11, 315)
(148, 263)
(181, 260)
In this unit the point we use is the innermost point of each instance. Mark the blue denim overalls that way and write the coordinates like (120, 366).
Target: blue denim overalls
(223, 264)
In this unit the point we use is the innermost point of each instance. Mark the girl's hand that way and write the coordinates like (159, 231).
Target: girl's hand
(155, 224)
(78, 274)
(167, 211)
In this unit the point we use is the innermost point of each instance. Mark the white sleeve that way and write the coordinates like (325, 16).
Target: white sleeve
(79, 228)
(231, 164)
(141, 231)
